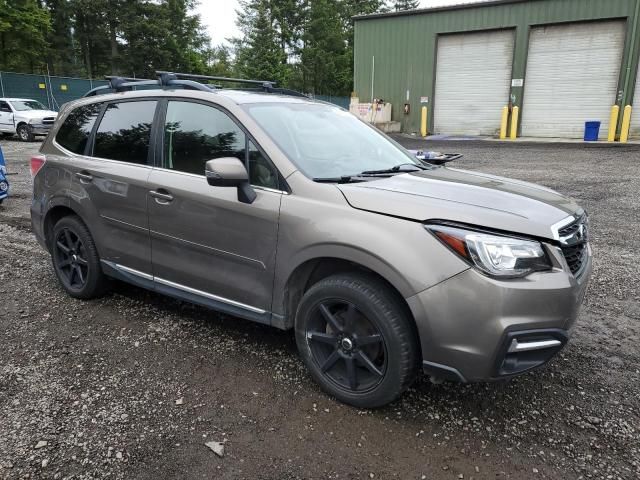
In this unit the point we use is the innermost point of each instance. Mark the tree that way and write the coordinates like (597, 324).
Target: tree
(218, 61)
(260, 54)
(91, 35)
(400, 5)
(24, 26)
(61, 55)
(325, 57)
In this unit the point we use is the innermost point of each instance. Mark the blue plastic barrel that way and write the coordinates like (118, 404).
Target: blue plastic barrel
(591, 131)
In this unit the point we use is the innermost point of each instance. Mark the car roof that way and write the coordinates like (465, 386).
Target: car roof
(236, 96)
(8, 99)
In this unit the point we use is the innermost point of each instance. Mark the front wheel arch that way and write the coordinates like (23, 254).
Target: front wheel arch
(307, 274)
(30, 136)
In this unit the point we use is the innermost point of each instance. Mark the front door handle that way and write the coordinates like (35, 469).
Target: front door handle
(162, 196)
(84, 177)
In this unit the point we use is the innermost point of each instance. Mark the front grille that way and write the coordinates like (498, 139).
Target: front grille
(48, 120)
(575, 256)
(573, 239)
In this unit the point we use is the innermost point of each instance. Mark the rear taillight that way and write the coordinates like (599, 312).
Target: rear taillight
(37, 161)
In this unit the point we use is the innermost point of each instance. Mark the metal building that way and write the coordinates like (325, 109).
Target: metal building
(561, 62)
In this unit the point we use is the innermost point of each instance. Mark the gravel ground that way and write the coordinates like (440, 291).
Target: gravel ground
(134, 385)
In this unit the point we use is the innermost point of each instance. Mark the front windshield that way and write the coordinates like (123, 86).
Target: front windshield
(22, 105)
(327, 142)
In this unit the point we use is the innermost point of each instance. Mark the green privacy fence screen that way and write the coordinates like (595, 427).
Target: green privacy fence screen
(54, 91)
(340, 101)
(50, 91)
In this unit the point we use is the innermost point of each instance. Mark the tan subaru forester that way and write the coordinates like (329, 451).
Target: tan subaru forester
(272, 207)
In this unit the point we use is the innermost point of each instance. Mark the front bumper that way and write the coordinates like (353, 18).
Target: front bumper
(468, 323)
(40, 129)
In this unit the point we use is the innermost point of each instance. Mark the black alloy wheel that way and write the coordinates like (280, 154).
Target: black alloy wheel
(346, 346)
(357, 339)
(71, 259)
(75, 259)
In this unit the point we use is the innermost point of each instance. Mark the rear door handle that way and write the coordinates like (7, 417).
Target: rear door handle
(84, 176)
(162, 197)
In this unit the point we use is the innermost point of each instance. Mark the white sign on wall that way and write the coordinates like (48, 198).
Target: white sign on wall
(517, 82)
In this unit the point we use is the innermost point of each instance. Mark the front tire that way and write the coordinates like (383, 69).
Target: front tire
(25, 133)
(357, 340)
(75, 259)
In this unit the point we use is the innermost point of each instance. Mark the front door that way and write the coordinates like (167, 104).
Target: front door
(204, 241)
(6, 117)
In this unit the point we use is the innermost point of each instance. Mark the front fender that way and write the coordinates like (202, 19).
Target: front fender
(400, 251)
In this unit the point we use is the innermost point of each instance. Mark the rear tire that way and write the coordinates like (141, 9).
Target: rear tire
(75, 259)
(25, 133)
(357, 340)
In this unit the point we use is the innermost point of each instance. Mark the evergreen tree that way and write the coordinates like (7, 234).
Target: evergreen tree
(61, 52)
(24, 27)
(401, 5)
(260, 54)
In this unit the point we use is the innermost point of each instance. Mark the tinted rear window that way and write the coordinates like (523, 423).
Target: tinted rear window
(75, 131)
(124, 131)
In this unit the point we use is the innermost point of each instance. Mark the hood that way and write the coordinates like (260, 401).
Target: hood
(31, 114)
(467, 197)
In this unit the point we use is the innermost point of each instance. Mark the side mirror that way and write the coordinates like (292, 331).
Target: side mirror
(230, 172)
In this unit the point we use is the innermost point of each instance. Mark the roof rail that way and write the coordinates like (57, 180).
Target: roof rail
(165, 79)
(266, 84)
(188, 81)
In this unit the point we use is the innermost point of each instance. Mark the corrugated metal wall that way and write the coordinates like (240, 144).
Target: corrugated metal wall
(404, 46)
(50, 91)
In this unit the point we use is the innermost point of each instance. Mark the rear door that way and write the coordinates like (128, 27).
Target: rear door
(112, 176)
(204, 241)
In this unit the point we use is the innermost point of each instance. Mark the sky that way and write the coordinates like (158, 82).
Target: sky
(219, 16)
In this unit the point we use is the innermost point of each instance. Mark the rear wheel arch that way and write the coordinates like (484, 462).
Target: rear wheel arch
(53, 216)
(307, 274)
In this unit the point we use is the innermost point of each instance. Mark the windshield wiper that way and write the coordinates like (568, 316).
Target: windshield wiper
(396, 169)
(341, 179)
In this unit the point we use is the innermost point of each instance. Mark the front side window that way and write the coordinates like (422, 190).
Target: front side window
(195, 133)
(74, 132)
(124, 132)
(4, 107)
(262, 173)
(24, 105)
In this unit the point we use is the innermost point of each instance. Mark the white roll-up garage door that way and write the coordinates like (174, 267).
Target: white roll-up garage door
(473, 75)
(634, 132)
(572, 77)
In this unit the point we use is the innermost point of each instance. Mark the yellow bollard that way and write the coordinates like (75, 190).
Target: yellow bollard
(504, 123)
(626, 123)
(514, 122)
(423, 122)
(613, 123)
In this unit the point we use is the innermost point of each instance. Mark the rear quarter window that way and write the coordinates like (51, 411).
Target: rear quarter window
(76, 128)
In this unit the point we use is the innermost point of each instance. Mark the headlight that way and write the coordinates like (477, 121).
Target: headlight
(496, 255)
(4, 186)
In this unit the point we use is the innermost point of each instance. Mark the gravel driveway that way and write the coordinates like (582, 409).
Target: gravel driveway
(134, 385)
